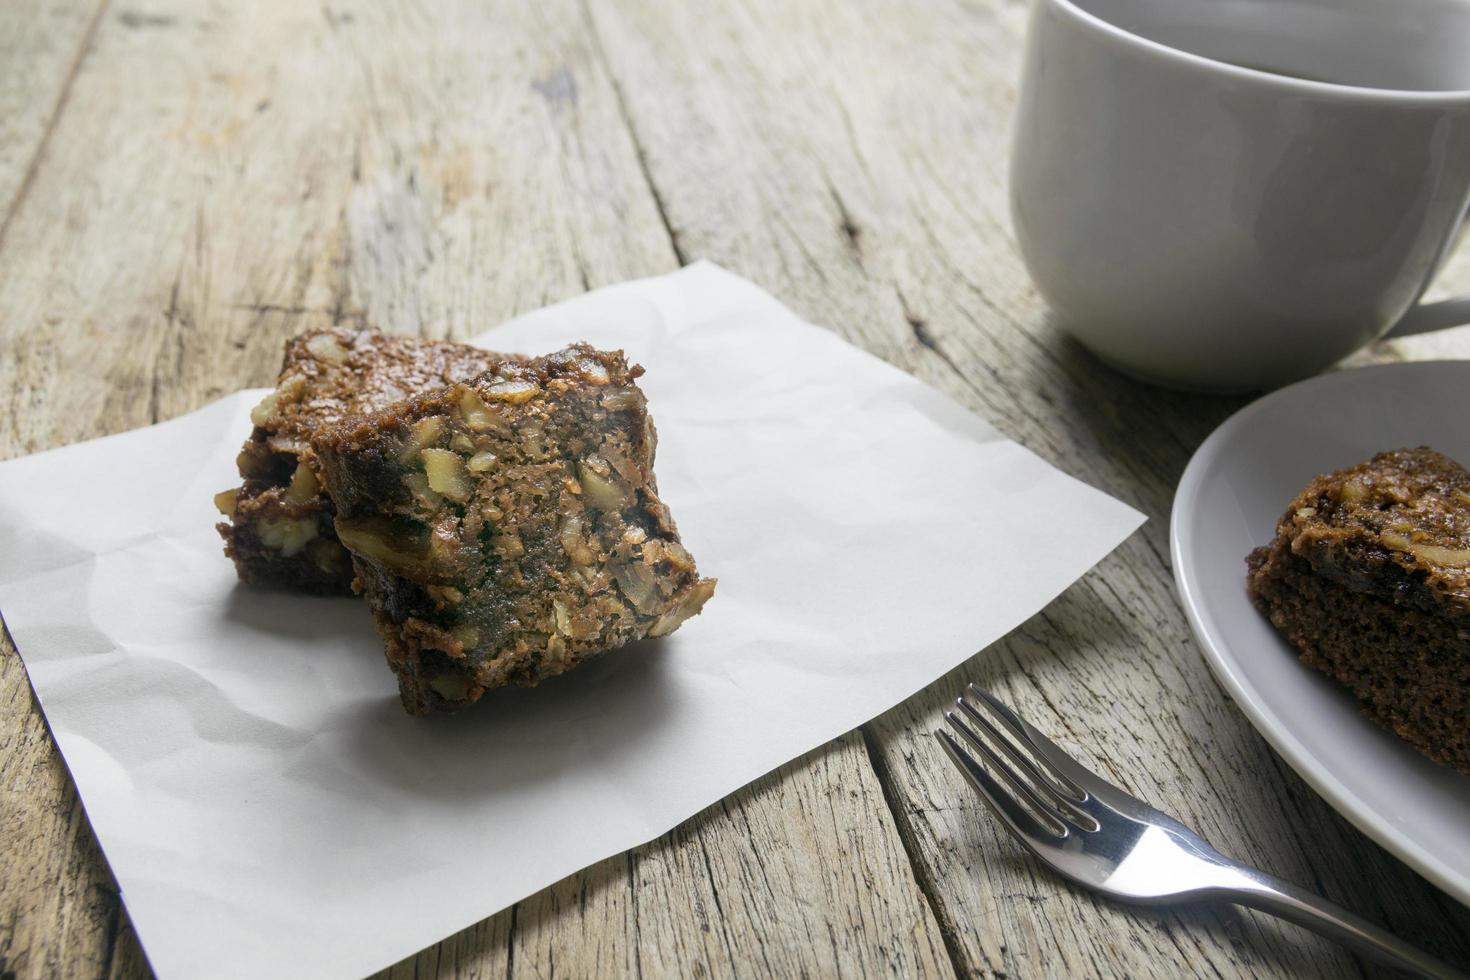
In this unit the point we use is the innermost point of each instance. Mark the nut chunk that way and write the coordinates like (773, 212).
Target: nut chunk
(1369, 578)
(507, 528)
(279, 529)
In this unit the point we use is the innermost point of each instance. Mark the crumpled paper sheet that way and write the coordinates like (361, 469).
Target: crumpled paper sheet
(267, 807)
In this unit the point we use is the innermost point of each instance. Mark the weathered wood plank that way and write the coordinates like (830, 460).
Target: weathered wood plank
(42, 47)
(873, 144)
(223, 178)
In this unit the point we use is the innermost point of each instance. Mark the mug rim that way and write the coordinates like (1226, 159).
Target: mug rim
(1339, 89)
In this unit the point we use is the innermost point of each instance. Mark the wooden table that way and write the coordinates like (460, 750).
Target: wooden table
(184, 185)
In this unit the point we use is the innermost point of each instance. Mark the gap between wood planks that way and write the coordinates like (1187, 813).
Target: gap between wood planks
(948, 930)
(62, 97)
(627, 117)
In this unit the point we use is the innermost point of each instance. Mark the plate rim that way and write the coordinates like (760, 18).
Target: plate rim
(1277, 734)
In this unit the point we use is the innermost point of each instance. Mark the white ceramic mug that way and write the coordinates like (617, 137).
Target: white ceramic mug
(1206, 225)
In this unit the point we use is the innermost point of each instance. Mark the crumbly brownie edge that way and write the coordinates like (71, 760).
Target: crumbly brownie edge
(279, 542)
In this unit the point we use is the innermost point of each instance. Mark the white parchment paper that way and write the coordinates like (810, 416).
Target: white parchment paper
(267, 807)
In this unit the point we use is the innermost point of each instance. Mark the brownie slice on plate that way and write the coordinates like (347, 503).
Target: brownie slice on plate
(279, 521)
(507, 528)
(1369, 578)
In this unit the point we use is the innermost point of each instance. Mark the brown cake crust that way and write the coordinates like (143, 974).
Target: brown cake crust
(1369, 578)
(508, 528)
(279, 528)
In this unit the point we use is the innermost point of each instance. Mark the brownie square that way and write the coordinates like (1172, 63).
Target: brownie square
(507, 528)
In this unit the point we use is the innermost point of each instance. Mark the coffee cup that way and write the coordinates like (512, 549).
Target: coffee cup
(1230, 196)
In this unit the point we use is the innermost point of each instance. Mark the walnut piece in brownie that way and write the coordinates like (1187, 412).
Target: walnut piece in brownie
(507, 528)
(279, 530)
(1369, 578)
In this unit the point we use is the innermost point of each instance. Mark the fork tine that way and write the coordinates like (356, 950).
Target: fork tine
(1046, 813)
(1059, 793)
(1078, 778)
(1000, 803)
(1040, 775)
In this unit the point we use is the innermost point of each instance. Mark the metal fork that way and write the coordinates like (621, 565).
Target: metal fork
(1099, 836)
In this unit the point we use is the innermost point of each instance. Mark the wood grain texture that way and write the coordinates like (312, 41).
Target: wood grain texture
(200, 181)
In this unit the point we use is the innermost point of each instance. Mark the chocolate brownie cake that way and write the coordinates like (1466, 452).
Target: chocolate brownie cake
(507, 528)
(1369, 578)
(279, 529)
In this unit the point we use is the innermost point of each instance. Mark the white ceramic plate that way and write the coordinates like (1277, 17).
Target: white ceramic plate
(1234, 490)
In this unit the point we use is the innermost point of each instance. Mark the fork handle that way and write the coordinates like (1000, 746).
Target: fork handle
(1310, 911)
